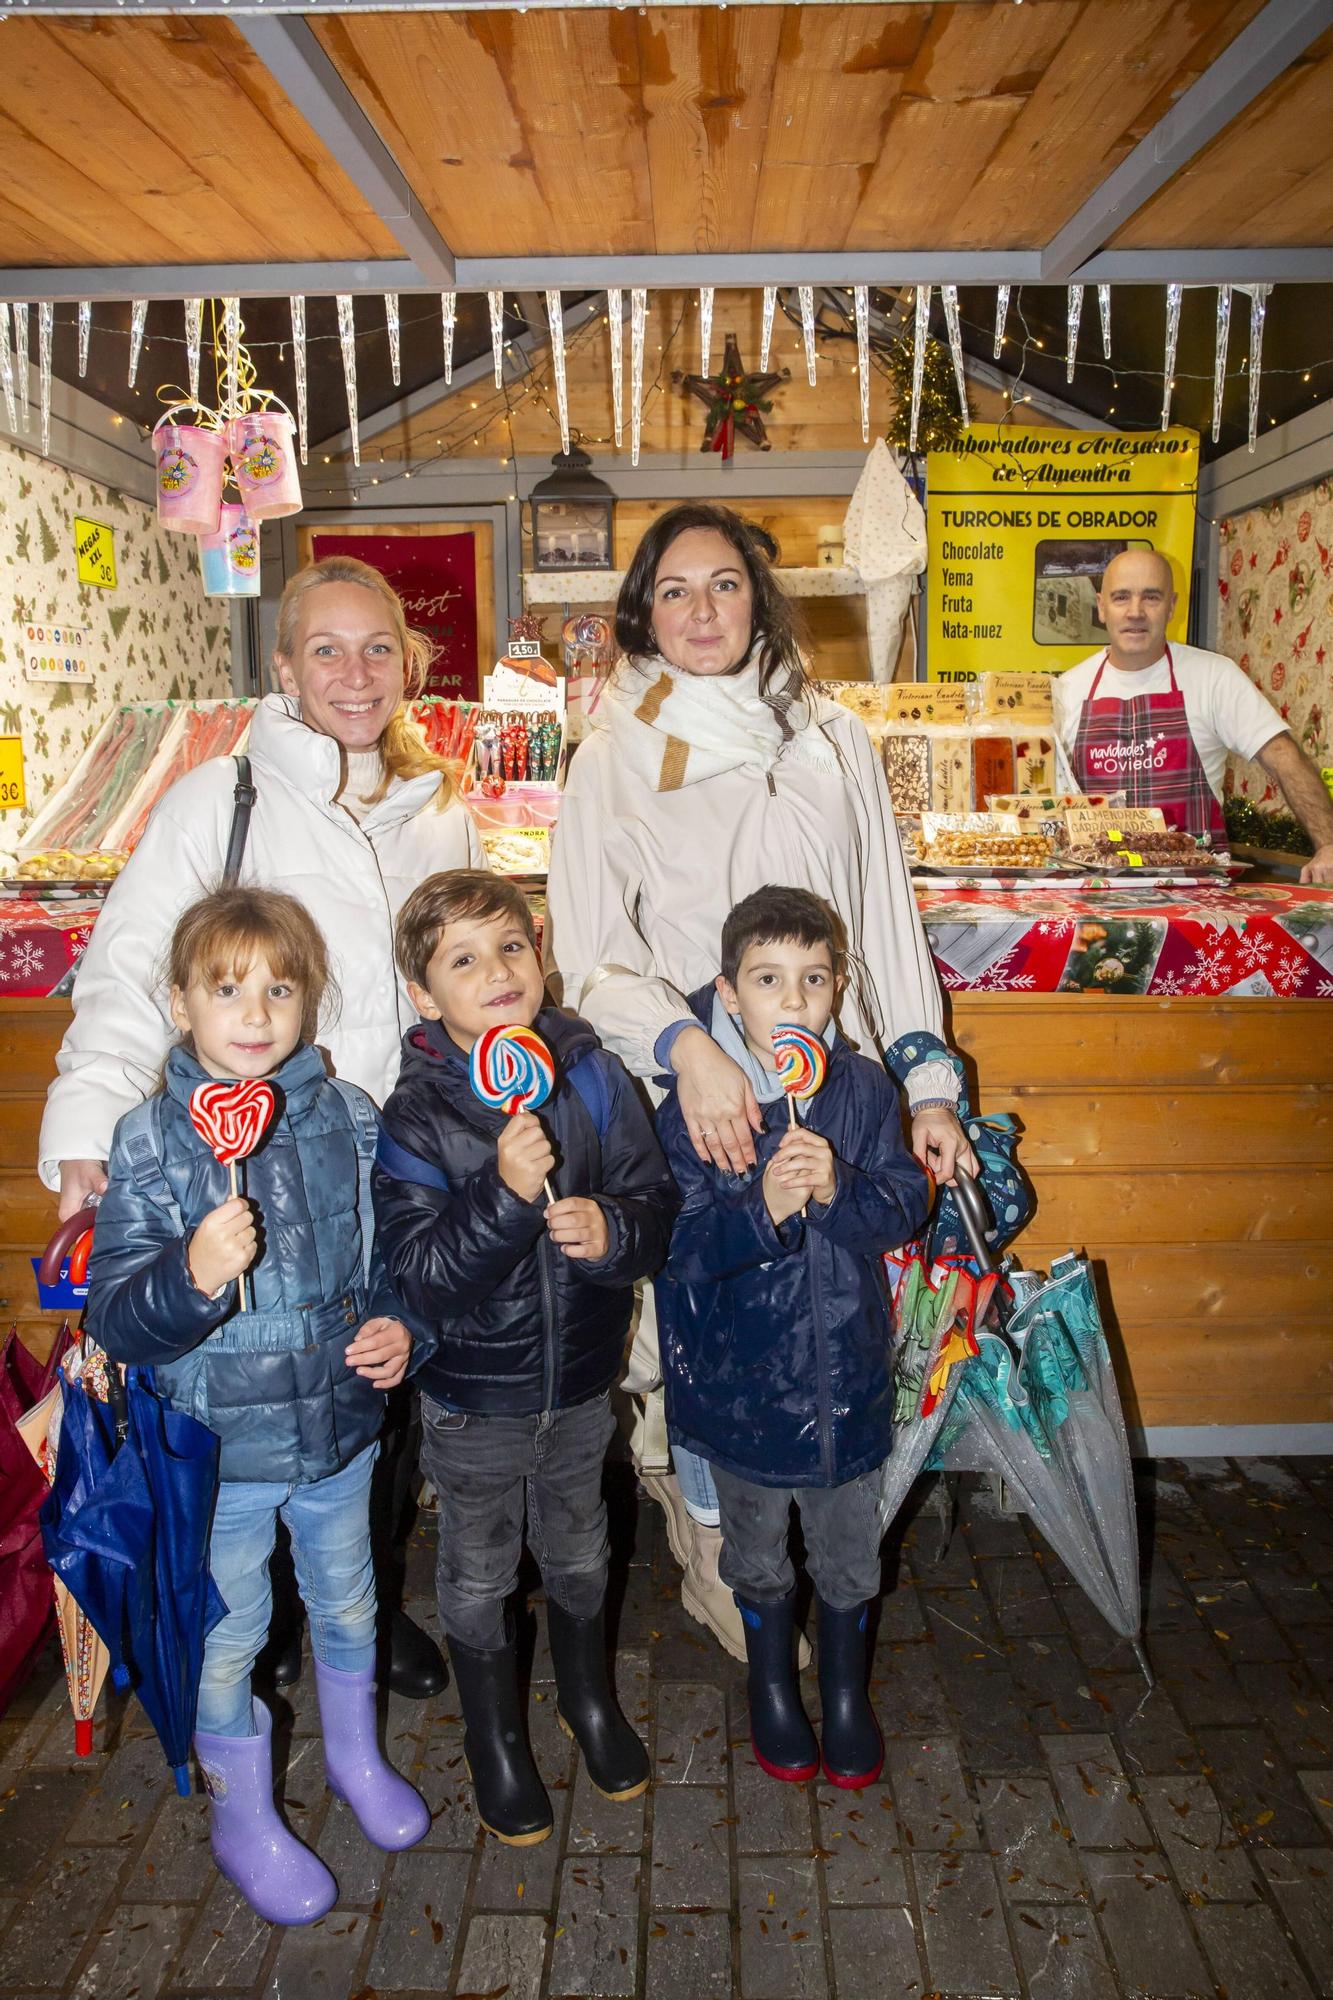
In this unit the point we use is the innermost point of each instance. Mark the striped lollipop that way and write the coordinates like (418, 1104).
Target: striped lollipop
(512, 1069)
(802, 1062)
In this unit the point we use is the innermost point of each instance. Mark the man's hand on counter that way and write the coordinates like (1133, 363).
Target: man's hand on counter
(79, 1181)
(1319, 868)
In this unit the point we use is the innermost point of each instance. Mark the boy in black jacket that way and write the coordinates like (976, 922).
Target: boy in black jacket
(529, 1303)
(774, 1320)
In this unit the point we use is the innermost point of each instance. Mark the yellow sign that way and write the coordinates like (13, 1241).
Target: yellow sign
(95, 547)
(12, 791)
(1021, 526)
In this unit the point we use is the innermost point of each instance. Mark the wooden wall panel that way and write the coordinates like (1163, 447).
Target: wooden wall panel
(1027, 1039)
(162, 140)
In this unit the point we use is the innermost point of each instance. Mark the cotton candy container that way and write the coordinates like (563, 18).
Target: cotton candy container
(190, 465)
(264, 464)
(230, 557)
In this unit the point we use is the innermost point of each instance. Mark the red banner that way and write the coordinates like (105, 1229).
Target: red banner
(436, 577)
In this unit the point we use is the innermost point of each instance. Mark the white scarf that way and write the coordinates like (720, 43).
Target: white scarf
(673, 728)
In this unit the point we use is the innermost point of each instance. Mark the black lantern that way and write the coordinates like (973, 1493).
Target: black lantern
(573, 512)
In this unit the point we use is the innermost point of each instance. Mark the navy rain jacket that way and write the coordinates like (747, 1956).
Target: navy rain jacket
(518, 1327)
(272, 1382)
(776, 1340)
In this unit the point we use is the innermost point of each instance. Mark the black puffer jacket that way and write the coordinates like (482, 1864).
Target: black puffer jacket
(519, 1326)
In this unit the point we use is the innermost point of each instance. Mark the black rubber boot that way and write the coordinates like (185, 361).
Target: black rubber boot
(587, 1707)
(287, 1663)
(413, 1664)
(780, 1734)
(511, 1798)
(853, 1746)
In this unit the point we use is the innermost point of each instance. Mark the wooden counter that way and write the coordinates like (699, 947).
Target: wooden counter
(1186, 1145)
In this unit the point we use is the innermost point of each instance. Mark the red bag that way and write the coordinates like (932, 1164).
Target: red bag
(27, 1599)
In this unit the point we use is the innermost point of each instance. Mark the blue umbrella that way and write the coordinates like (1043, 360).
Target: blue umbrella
(143, 1530)
(74, 1530)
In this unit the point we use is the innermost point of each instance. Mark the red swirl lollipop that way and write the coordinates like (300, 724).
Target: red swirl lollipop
(231, 1119)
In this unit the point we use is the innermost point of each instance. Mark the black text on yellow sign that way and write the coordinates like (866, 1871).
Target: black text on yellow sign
(1021, 525)
(95, 548)
(13, 793)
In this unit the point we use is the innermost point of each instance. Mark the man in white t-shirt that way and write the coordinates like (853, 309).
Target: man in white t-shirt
(1157, 720)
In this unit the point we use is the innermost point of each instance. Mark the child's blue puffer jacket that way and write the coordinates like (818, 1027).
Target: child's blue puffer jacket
(272, 1382)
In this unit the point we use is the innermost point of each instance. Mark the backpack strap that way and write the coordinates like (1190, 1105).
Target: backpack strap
(365, 1132)
(243, 802)
(401, 1164)
(588, 1078)
(141, 1142)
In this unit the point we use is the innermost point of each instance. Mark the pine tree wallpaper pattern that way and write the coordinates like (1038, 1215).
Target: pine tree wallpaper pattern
(155, 635)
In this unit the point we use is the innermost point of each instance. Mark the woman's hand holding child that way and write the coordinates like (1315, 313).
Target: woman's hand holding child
(224, 1245)
(578, 1225)
(380, 1352)
(525, 1156)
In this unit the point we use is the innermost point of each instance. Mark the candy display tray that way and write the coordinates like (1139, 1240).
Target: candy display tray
(55, 891)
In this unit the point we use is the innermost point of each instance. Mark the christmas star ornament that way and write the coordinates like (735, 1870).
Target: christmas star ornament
(735, 400)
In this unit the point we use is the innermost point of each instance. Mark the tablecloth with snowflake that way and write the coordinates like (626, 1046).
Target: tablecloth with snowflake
(40, 945)
(1266, 941)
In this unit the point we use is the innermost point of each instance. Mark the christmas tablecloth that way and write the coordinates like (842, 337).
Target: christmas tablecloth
(40, 944)
(1269, 941)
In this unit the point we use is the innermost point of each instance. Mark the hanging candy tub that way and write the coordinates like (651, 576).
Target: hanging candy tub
(263, 462)
(190, 472)
(230, 556)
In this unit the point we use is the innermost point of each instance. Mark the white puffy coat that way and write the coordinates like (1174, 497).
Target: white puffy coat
(352, 878)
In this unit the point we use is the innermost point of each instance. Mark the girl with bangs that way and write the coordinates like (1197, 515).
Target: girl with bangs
(291, 1378)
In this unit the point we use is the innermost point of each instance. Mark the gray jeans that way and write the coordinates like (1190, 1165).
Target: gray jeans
(841, 1529)
(483, 1468)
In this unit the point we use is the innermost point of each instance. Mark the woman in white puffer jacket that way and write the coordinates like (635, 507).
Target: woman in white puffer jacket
(351, 812)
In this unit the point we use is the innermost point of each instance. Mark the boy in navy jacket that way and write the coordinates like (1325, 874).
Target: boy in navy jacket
(774, 1319)
(517, 1241)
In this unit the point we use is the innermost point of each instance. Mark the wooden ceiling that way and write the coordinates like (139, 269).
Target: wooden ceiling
(164, 140)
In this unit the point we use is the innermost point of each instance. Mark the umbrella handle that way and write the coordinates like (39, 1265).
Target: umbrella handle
(68, 1233)
(976, 1220)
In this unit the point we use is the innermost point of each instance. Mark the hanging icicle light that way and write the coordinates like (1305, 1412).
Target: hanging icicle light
(949, 294)
(1073, 314)
(861, 301)
(766, 334)
(638, 321)
(1258, 310)
(806, 293)
(231, 352)
(395, 338)
(1001, 315)
(85, 329)
(615, 328)
(302, 380)
(138, 320)
(1173, 293)
(7, 369)
(347, 341)
(706, 329)
(194, 333)
(20, 312)
(1104, 308)
(448, 320)
(1220, 355)
(45, 322)
(921, 334)
(496, 302)
(555, 319)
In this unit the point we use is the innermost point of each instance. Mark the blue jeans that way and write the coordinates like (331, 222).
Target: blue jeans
(694, 1476)
(329, 1525)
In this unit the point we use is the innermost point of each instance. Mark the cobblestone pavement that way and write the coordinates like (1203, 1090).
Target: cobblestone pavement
(1045, 1827)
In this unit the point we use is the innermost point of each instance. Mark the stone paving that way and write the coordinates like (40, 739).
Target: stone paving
(1045, 1828)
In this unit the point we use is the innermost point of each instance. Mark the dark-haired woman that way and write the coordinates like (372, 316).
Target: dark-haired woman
(718, 768)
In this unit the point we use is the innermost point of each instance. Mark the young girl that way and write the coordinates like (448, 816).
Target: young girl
(292, 1377)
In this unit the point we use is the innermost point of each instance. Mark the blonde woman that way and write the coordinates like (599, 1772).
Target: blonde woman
(351, 811)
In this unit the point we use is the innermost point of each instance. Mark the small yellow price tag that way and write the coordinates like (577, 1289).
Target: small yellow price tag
(1114, 833)
(1134, 860)
(12, 792)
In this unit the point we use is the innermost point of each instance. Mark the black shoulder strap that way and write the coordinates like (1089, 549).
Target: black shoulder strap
(243, 805)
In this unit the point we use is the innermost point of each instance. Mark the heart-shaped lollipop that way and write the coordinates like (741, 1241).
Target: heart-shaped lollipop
(231, 1118)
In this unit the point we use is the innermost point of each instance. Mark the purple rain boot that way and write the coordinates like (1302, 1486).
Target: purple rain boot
(389, 1812)
(280, 1878)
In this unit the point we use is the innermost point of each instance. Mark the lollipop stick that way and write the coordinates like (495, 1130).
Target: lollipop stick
(236, 1188)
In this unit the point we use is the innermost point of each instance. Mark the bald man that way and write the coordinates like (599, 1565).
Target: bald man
(1157, 720)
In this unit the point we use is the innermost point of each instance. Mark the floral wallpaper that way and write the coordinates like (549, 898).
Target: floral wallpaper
(1276, 619)
(153, 634)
